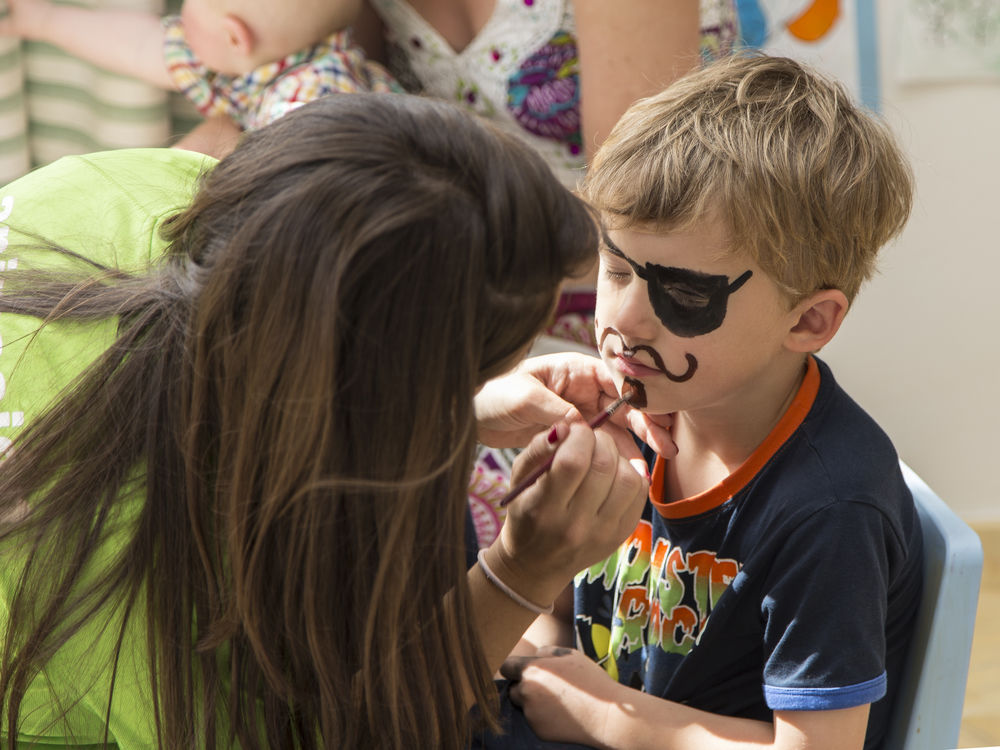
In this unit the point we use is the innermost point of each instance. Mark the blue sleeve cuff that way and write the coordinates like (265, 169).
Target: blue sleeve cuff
(824, 698)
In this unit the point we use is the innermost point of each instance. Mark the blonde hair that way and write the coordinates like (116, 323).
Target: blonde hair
(810, 184)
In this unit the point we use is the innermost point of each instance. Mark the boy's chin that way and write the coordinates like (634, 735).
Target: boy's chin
(637, 399)
(656, 406)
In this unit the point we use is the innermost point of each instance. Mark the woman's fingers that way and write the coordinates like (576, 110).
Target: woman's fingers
(576, 513)
(654, 430)
(512, 409)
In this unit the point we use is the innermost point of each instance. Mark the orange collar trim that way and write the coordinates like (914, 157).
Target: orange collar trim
(724, 490)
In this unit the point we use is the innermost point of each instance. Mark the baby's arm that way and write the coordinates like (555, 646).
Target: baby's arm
(120, 41)
(216, 135)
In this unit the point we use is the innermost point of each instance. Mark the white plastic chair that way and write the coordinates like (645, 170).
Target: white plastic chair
(928, 712)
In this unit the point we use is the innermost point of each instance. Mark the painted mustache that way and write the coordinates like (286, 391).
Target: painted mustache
(638, 389)
(661, 366)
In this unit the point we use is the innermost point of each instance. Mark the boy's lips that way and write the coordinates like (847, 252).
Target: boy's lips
(634, 368)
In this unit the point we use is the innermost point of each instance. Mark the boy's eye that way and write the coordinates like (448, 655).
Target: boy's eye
(616, 275)
(685, 296)
(614, 270)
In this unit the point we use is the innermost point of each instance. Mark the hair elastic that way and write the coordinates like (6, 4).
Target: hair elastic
(492, 578)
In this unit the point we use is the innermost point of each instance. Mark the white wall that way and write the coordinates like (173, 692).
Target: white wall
(920, 350)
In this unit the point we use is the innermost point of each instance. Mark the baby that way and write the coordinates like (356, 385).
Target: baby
(251, 60)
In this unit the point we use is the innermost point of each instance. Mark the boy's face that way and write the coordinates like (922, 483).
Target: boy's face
(684, 320)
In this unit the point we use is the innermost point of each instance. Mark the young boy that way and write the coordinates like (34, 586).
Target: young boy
(250, 60)
(767, 598)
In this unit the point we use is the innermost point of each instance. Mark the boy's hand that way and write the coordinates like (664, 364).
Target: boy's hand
(24, 18)
(565, 696)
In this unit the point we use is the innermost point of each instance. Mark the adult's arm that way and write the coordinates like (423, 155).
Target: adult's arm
(574, 515)
(628, 51)
(121, 41)
(368, 32)
(216, 135)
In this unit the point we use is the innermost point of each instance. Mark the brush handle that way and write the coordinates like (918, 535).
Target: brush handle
(529, 480)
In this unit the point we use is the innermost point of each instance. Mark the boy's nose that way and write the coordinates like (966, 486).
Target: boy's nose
(634, 316)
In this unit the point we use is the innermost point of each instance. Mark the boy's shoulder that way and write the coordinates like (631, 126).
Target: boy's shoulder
(826, 449)
(838, 454)
(837, 425)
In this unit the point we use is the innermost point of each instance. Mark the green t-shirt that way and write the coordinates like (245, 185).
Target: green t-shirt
(108, 207)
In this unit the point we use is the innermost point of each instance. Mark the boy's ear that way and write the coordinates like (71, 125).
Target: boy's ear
(818, 318)
(239, 35)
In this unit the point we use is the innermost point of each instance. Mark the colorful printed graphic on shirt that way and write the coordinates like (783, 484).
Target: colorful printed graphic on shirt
(662, 598)
(544, 94)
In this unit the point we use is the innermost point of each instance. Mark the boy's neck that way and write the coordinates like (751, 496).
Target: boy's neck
(713, 442)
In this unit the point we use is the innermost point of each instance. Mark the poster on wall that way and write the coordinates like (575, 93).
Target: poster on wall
(949, 40)
(836, 36)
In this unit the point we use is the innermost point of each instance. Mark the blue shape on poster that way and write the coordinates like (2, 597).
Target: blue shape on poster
(753, 23)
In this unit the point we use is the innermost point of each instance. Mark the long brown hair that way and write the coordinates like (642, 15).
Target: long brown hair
(293, 387)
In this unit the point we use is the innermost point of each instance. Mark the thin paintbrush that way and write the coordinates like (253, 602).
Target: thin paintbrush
(544, 467)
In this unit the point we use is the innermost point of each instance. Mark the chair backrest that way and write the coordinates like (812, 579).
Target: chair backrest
(928, 711)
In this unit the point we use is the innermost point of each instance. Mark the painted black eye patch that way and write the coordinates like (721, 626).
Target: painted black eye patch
(688, 303)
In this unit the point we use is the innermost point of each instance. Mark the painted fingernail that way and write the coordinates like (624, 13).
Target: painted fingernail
(553, 436)
(640, 467)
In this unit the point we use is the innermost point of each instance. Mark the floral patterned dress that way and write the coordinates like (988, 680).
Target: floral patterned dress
(521, 70)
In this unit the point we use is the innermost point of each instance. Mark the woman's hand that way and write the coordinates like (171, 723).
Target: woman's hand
(544, 390)
(574, 515)
(565, 696)
(539, 392)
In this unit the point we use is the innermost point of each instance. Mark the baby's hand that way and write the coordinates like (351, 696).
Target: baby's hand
(24, 18)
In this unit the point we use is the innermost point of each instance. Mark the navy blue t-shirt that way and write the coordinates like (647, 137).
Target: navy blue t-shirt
(793, 585)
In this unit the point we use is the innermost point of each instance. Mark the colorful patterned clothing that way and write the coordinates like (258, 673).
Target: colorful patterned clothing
(254, 99)
(521, 70)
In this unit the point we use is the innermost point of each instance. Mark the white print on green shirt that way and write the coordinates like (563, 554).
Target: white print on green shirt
(7, 418)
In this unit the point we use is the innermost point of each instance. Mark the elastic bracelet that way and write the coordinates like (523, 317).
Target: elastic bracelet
(492, 578)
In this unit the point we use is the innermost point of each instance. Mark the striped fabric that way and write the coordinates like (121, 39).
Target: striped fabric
(52, 104)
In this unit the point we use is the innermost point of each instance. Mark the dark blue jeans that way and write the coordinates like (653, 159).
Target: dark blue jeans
(517, 733)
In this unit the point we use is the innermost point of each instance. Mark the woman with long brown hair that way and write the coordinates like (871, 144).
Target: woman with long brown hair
(239, 417)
